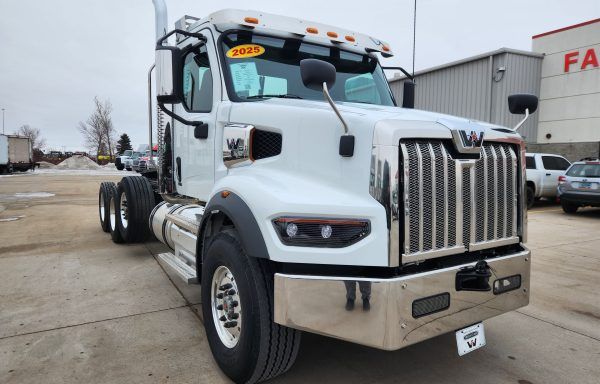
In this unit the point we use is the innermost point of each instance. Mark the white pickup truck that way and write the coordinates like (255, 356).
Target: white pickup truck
(543, 170)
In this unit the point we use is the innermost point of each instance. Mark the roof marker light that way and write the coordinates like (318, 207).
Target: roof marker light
(350, 38)
(312, 30)
(332, 35)
(385, 48)
(251, 20)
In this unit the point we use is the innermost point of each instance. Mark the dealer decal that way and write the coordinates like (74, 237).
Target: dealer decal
(245, 50)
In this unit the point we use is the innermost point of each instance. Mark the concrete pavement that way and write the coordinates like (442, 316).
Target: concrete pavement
(74, 307)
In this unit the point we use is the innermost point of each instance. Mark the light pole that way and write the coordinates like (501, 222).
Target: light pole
(3, 120)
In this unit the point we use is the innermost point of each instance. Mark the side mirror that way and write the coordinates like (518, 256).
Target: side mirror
(519, 104)
(408, 96)
(169, 75)
(315, 72)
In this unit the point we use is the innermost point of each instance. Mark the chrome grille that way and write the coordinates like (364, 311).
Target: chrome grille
(454, 205)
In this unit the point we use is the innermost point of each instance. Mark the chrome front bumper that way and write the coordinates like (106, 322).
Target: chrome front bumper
(317, 304)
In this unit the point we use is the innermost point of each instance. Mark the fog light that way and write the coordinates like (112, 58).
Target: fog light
(326, 231)
(291, 229)
(507, 284)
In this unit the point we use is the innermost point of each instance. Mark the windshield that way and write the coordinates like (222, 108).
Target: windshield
(584, 170)
(127, 152)
(261, 67)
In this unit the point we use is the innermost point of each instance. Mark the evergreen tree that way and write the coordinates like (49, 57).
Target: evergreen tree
(124, 143)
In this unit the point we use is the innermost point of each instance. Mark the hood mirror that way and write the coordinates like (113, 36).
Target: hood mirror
(522, 104)
(320, 75)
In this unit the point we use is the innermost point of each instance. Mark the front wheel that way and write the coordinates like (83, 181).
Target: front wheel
(237, 305)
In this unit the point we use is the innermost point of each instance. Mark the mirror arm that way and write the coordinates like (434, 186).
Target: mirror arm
(516, 128)
(408, 75)
(179, 118)
(333, 106)
(199, 36)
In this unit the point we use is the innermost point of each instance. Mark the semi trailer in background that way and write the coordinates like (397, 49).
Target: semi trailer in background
(289, 182)
(16, 154)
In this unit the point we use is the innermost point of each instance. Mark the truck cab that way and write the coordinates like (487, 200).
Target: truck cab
(289, 180)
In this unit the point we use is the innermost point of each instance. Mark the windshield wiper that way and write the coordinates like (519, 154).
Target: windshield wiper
(282, 96)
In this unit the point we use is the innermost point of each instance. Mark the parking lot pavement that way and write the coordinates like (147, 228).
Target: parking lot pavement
(74, 307)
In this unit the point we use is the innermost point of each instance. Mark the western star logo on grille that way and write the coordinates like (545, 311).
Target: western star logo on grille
(467, 141)
(472, 139)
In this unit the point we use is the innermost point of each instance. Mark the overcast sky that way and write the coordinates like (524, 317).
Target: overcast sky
(55, 56)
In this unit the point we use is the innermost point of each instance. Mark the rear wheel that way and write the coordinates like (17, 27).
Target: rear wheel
(237, 304)
(530, 197)
(112, 219)
(569, 207)
(134, 201)
(120, 167)
(106, 191)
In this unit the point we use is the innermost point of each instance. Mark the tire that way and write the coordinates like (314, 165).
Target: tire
(569, 207)
(104, 194)
(530, 197)
(263, 349)
(129, 169)
(115, 235)
(120, 167)
(134, 202)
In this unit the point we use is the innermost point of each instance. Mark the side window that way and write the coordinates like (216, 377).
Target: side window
(530, 162)
(197, 81)
(553, 163)
(362, 89)
(562, 164)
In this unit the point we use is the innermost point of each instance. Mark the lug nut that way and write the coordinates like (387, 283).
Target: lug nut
(225, 286)
(234, 315)
(219, 295)
(220, 307)
(234, 303)
(230, 324)
(222, 318)
(231, 292)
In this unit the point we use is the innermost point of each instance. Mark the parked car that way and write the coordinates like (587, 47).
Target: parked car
(580, 186)
(543, 170)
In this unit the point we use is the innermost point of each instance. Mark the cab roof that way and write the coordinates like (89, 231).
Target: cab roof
(262, 21)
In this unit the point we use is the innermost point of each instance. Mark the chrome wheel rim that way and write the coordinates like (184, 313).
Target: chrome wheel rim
(124, 211)
(111, 213)
(102, 206)
(226, 306)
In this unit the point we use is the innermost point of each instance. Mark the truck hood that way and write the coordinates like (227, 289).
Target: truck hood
(394, 123)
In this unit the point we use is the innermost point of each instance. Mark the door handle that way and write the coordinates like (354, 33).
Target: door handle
(548, 174)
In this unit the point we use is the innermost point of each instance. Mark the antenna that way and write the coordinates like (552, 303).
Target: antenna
(414, 37)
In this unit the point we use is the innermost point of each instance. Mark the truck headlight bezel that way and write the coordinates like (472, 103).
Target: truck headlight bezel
(321, 232)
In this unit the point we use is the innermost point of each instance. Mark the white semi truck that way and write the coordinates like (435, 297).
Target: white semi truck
(289, 179)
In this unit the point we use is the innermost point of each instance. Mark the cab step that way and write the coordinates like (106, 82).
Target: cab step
(186, 272)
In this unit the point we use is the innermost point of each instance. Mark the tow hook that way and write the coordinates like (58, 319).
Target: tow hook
(475, 278)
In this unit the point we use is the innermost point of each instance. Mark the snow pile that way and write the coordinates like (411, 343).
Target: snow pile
(46, 165)
(78, 162)
(109, 165)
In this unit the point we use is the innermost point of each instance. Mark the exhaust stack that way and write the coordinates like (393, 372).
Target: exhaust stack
(160, 18)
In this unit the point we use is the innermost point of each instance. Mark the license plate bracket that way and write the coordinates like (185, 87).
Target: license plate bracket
(470, 338)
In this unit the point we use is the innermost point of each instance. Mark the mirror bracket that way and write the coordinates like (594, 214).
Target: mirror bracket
(200, 127)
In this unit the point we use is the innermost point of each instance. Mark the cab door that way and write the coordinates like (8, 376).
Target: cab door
(194, 157)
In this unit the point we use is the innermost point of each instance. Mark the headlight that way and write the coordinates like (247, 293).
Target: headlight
(321, 232)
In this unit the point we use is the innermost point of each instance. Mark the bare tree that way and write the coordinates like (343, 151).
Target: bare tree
(37, 142)
(98, 130)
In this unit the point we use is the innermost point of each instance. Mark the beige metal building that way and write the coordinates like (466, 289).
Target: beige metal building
(563, 71)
